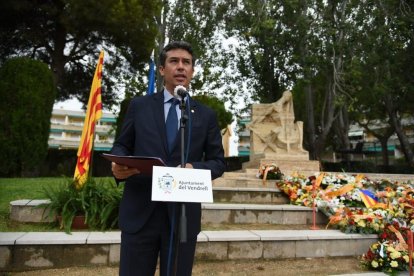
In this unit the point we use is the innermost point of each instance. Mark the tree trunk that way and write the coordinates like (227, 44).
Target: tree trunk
(405, 144)
(341, 128)
(384, 151)
(58, 58)
(310, 122)
(327, 117)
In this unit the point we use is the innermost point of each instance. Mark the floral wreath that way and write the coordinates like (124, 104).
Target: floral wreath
(269, 171)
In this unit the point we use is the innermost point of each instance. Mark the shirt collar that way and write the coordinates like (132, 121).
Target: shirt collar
(167, 95)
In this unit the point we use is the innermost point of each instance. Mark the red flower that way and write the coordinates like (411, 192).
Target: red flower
(370, 255)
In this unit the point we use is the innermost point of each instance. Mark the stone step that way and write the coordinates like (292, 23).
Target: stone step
(216, 213)
(249, 175)
(245, 182)
(259, 226)
(388, 176)
(286, 166)
(253, 173)
(259, 213)
(43, 250)
(27, 210)
(249, 195)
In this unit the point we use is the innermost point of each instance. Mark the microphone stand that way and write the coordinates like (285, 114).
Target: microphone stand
(182, 227)
(183, 218)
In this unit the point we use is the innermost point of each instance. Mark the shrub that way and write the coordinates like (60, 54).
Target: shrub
(27, 95)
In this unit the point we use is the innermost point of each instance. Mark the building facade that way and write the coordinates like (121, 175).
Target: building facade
(244, 136)
(67, 125)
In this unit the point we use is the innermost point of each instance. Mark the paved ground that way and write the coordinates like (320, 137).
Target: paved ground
(289, 267)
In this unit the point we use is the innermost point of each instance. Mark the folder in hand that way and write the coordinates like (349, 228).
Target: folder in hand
(143, 163)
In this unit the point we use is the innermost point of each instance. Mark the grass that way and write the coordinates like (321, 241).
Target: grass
(24, 188)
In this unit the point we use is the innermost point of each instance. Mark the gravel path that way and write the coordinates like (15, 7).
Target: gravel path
(287, 267)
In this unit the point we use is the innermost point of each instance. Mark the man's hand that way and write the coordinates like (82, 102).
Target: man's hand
(187, 166)
(123, 172)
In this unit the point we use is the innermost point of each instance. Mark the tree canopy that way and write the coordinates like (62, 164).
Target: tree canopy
(346, 60)
(68, 35)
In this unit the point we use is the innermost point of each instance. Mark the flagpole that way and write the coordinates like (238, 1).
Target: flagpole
(151, 75)
(91, 158)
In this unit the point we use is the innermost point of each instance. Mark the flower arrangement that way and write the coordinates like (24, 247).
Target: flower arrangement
(388, 210)
(390, 254)
(335, 191)
(339, 197)
(269, 171)
(360, 220)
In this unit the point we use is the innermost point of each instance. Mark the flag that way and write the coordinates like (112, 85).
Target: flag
(151, 76)
(93, 114)
(368, 197)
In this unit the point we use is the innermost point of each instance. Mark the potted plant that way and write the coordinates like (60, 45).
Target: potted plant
(96, 203)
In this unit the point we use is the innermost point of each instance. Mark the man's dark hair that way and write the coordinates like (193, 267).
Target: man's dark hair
(176, 45)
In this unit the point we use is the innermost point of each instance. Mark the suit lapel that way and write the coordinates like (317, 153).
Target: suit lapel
(192, 113)
(158, 107)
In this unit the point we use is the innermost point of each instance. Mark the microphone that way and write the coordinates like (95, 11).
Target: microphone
(180, 92)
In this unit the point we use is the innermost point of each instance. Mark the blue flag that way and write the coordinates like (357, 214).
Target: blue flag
(151, 76)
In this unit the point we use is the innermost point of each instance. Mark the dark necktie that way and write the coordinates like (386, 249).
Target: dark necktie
(171, 124)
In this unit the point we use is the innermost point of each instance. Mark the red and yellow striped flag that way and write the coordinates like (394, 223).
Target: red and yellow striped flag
(93, 114)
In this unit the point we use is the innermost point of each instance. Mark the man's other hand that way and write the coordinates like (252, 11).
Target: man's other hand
(187, 166)
(123, 172)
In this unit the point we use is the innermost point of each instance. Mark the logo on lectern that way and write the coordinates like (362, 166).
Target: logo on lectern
(166, 183)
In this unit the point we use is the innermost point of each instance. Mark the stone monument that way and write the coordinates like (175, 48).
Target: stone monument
(275, 137)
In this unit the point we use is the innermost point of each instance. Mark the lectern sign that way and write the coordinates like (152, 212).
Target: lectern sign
(181, 185)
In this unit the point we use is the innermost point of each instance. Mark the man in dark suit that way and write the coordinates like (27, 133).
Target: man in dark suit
(145, 224)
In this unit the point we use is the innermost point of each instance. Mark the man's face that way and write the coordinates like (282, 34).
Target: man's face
(178, 69)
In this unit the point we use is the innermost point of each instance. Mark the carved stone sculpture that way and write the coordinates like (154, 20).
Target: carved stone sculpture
(274, 131)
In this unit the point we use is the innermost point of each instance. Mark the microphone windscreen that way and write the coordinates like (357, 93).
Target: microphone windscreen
(180, 91)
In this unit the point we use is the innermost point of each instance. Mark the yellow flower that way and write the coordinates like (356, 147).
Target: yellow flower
(374, 246)
(406, 258)
(374, 264)
(394, 264)
(390, 249)
(361, 223)
(395, 255)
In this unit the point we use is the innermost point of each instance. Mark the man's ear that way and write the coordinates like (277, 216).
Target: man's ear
(161, 70)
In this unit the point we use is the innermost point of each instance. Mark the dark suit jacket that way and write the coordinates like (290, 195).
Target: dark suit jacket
(144, 134)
